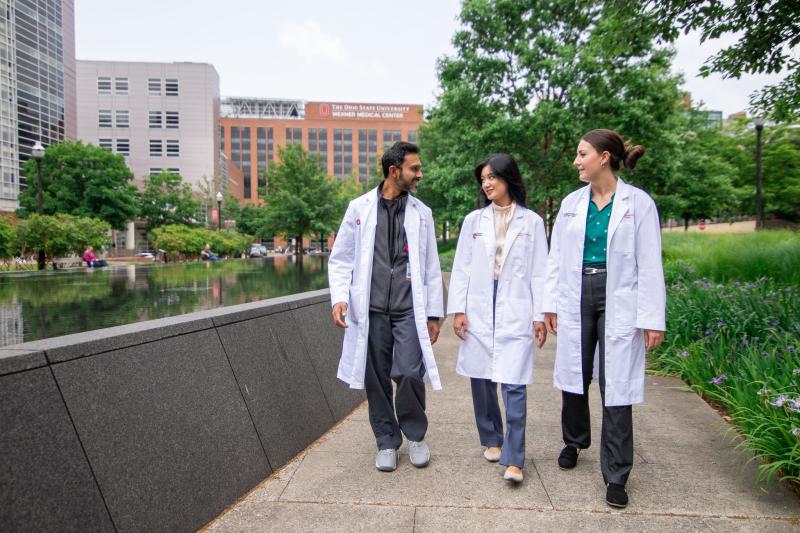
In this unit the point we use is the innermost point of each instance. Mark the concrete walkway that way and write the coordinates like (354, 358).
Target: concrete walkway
(686, 477)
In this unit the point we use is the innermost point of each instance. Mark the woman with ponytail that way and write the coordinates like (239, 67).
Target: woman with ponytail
(605, 298)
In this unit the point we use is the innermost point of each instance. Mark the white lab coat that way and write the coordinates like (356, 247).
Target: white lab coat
(350, 275)
(503, 351)
(635, 293)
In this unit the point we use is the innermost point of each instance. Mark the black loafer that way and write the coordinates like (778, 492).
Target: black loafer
(568, 458)
(616, 495)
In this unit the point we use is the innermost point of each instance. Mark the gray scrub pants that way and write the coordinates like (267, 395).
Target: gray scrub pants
(394, 353)
(490, 422)
(616, 436)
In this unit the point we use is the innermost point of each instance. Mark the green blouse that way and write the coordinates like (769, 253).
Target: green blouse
(595, 241)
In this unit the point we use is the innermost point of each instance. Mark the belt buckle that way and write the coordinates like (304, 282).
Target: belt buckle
(593, 270)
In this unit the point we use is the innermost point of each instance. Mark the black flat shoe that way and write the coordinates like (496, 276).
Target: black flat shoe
(568, 458)
(616, 495)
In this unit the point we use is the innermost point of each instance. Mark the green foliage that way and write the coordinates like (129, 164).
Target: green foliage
(188, 241)
(82, 180)
(529, 78)
(302, 199)
(702, 183)
(61, 234)
(8, 238)
(723, 258)
(734, 337)
(766, 33)
(166, 199)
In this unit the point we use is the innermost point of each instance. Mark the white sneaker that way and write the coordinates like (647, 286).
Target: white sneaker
(513, 476)
(386, 460)
(418, 453)
(492, 456)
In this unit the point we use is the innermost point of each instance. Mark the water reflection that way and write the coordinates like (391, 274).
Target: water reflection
(41, 305)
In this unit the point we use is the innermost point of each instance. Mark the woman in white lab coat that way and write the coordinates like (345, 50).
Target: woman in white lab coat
(495, 294)
(605, 299)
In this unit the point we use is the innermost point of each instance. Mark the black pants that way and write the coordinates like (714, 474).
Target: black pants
(616, 438)
(394, 353)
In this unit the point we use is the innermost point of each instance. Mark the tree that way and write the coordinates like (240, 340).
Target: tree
(165, 199)
(529, 78)
(702, 185)
(766, 32)
(7, 239)
(302, 199)
(82, 180)
(61, 234)
(781, 171)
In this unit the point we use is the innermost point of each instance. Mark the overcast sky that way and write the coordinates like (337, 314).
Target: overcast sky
(356, 51)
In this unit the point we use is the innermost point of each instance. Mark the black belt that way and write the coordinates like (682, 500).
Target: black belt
(592, 270)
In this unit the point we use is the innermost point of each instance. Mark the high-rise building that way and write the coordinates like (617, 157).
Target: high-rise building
(348, 137)
(37, 84)
(160, 116)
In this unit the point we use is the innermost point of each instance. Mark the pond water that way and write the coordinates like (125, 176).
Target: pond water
(39, 305)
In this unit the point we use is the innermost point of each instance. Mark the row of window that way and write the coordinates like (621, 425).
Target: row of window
(121, 86)
(158, 147)
(154, 171)
(156, 119)
(342, 139)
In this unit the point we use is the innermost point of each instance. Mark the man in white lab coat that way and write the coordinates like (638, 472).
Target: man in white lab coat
(386, 291)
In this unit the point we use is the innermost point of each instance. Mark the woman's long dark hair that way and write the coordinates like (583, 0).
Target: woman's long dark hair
(503, 166)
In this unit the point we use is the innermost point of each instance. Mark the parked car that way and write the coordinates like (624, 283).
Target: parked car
(258, 250)
(147, 255)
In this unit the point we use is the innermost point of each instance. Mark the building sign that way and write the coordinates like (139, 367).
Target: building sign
(342, 111)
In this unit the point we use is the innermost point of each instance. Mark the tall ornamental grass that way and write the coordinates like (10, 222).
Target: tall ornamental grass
(734, 336)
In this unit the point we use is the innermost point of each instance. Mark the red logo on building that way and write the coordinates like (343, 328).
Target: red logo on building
(324, 110)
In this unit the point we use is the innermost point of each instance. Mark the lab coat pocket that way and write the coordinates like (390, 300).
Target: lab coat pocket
(356, 311)
(624, 312)
(624, 236)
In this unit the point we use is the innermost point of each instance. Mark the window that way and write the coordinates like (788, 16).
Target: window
(390, 137)
(156, 148)
(104, 118)
(294, 135)
(222, 138)
(236, 157)
(173, 170)
(261, 158)
(155, 119)
(121, 86)
(173, 119)
(270, 145)
(123, 119)
(412, 136)
(105, 143)
(124, 147)
(367, 148)
(318, 144)
(155, 171)
(104, 85)
(154, 86)
(173, 148)
(171, 87)
(342, 152)
(246, 166)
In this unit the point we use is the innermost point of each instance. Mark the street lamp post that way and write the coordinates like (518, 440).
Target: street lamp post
(219, 210)
(759, 124)
(37, 152)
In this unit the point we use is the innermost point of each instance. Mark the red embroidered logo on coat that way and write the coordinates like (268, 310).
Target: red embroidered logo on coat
(358, 222)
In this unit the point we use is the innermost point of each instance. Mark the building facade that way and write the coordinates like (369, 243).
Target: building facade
(37, 85)
(348, 137)
(159, 116)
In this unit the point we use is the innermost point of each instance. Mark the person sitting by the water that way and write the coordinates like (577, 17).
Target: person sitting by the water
(91, 260)
(208, 255)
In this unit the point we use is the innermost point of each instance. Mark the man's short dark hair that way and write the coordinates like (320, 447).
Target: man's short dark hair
(396, 155)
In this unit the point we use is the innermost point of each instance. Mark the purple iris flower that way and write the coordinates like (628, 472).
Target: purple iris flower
(719, 379)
